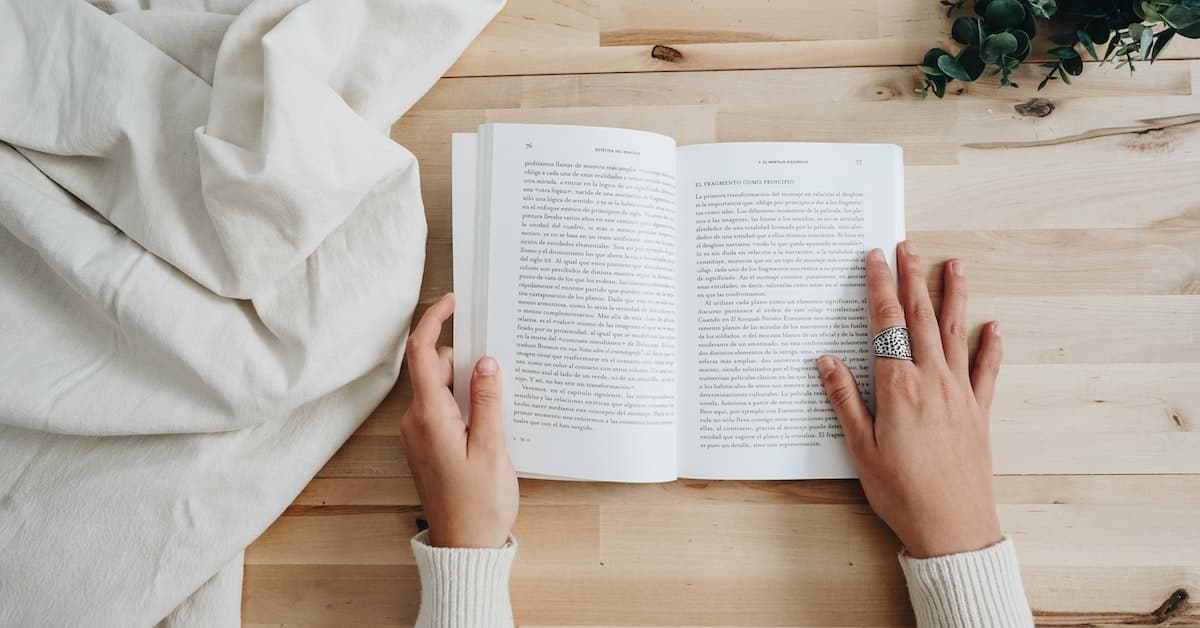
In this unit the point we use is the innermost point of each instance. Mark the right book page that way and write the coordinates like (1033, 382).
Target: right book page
(772, 243)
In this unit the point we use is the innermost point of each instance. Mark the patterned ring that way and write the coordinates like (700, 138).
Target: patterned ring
(893, 343)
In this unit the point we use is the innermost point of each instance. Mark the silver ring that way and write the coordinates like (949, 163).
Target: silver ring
(893, 343)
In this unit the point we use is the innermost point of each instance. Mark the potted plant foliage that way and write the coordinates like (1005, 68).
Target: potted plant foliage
(999, 37)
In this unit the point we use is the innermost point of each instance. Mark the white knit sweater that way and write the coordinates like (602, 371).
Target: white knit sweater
(468, 588)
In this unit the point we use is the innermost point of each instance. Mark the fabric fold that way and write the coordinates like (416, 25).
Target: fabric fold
(210, 251)
(980, 589)
(464, 586)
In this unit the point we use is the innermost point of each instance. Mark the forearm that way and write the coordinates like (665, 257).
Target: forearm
(980, 589)
(463, 588)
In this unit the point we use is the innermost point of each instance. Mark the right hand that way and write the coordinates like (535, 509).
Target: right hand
(924, 459)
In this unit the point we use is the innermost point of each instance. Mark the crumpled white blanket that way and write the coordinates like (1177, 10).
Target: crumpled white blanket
(210, 251)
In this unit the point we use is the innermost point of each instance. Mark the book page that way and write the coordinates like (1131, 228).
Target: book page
(579, 298)
(773, 238)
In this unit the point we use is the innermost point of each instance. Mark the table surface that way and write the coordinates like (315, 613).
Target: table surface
(1080, 230)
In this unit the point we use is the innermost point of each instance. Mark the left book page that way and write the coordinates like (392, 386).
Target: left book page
(565, 271)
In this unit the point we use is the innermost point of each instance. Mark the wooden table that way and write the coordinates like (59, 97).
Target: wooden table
(1081, 232)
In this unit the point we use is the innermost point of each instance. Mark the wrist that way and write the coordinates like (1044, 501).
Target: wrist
(468, 540)
(954, 541)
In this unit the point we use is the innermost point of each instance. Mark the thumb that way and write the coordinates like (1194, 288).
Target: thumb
(486, 429)
(848, 404)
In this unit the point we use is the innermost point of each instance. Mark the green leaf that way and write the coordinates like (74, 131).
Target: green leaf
(1023, 45)
(1049, 77)
(1180, 17)
(1063, 75)
(1073, 66)
(1146, 12)
(929, 71)
(1135, 31)
(981, 7)
(1191, 32)
(1004, 13)
(971, 63)
(1043, 8)
(1099, 31)
(1087, 42)
(1160, 43)
(1146, 42)
(1110, 52)
(953, 68)
(937, 84)
(1000, 44)
(966, 31)
(931, 57)
(1028, 25)
(1063, 52)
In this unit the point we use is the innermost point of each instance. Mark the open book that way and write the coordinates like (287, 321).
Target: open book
(656, 309)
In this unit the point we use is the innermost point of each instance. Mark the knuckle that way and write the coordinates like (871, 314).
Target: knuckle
(947, 387)
(484, 394)
(906, 382)
(922, 313)
(955, 330)
(842, 395)
(888, 312)
(410, 426)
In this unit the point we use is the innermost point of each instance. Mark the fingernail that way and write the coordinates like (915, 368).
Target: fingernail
(876, 255)
(487, 366)
(826, 366)
(908, 247)
(996, 328)
(957, 268)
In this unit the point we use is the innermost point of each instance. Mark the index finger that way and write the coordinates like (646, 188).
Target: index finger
(882, 301)
(422, 346)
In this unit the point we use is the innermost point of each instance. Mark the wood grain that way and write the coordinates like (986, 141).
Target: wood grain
(1080, 231)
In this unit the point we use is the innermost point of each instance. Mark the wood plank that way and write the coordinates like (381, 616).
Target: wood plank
(364, 535)
(580, 36)
(809, 85)
(330, 595)
(1081, 232)
(1129, 490)
(1067, 418)
(696, 21)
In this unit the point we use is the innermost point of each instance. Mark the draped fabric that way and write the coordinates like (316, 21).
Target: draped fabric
(210, 251)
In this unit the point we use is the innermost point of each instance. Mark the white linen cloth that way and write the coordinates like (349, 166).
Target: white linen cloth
(210, 251)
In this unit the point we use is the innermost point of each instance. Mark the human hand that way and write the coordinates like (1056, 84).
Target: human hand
(924, 459)
(463, 474)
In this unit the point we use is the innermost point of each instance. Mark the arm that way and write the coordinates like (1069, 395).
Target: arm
(466, 484)
(924, 459)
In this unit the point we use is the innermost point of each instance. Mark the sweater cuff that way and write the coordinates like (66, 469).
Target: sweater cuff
(980, 589)
(463, 587)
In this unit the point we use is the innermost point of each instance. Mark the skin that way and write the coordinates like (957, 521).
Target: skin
(463, 474)
(924, 459)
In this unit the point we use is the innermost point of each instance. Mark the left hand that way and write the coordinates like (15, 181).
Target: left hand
(463, 474)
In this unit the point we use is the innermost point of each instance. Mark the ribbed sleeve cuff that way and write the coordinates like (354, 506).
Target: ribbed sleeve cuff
(980, 589)
(463, 587)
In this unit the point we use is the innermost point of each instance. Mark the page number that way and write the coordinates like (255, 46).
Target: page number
(858, 162)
